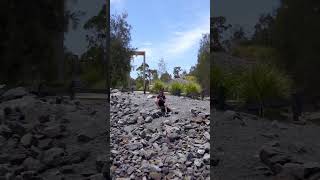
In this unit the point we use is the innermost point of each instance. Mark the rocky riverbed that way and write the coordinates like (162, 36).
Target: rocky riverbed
(146, 144)
(251, 148)
(51, 137)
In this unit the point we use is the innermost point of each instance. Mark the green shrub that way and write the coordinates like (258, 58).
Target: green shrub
(91, 77)
(192, 89)
(101, 84)
(264, 82)
(229, 80)
(158, 85)
(176, 88)
(191, 78)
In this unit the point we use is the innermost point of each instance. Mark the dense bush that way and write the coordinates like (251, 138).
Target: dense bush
(158, 85)
(91, 77)
(176, 88)
(191, 78)
(229, 80)
(192, 89)
(264, 82)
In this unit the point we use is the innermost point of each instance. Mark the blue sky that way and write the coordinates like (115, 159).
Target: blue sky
(168, 29)
(245, 12)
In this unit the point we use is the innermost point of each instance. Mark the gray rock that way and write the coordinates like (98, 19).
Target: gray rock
(45, 144)
(4, 169)
(17, 158)
(173, 136)
(14, 93)
(100, 161)
(97, 177)
(311, 168)
(200, 152)
(5, 131)
(86, 135)
(67, 169)
(52, 157)
(27, 140)
(134, 146)
(146, 167)
(32, 164)
(132, 120)
(44, 118)
(52, 131)
(155, 175)
(206, 158)
(206, 135)
(148, 119)
(77, 156)
(18, 127)
(130, 170)
(197, 163)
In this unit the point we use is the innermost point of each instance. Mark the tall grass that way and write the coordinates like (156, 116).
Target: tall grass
(263, 82)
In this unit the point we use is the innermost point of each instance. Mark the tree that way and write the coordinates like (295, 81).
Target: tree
(176, 72)
(165, 77)
(184, 74)
(32, 36)
(238, 33)
(140, 71)
(218, 27)
(120, 48)
(202, 71)
(297, 39)
(263, 30)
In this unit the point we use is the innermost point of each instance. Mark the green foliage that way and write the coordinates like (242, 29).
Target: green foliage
(229, 80)
(158, 85)
(202, 69)
(165, 77)
(264, 82)
(190, 78)
(100, 84)
(139, 83)
(192, 89)
(120, 48)
(176, 88)
(91, 77)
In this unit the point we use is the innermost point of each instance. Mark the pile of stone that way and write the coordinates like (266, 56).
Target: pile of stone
(39, 139)
(288, 167)
(147, 145)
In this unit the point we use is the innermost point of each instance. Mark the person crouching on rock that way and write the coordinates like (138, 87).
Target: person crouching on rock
(160, 101)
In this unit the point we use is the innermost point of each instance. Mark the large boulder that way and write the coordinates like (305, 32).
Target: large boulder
(14, 93)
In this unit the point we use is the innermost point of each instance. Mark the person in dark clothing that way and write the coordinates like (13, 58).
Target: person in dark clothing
(160, 102)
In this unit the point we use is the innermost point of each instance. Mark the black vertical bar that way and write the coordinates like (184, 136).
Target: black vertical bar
(107, 61)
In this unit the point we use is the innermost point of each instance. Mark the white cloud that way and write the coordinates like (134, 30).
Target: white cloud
(180, 41)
